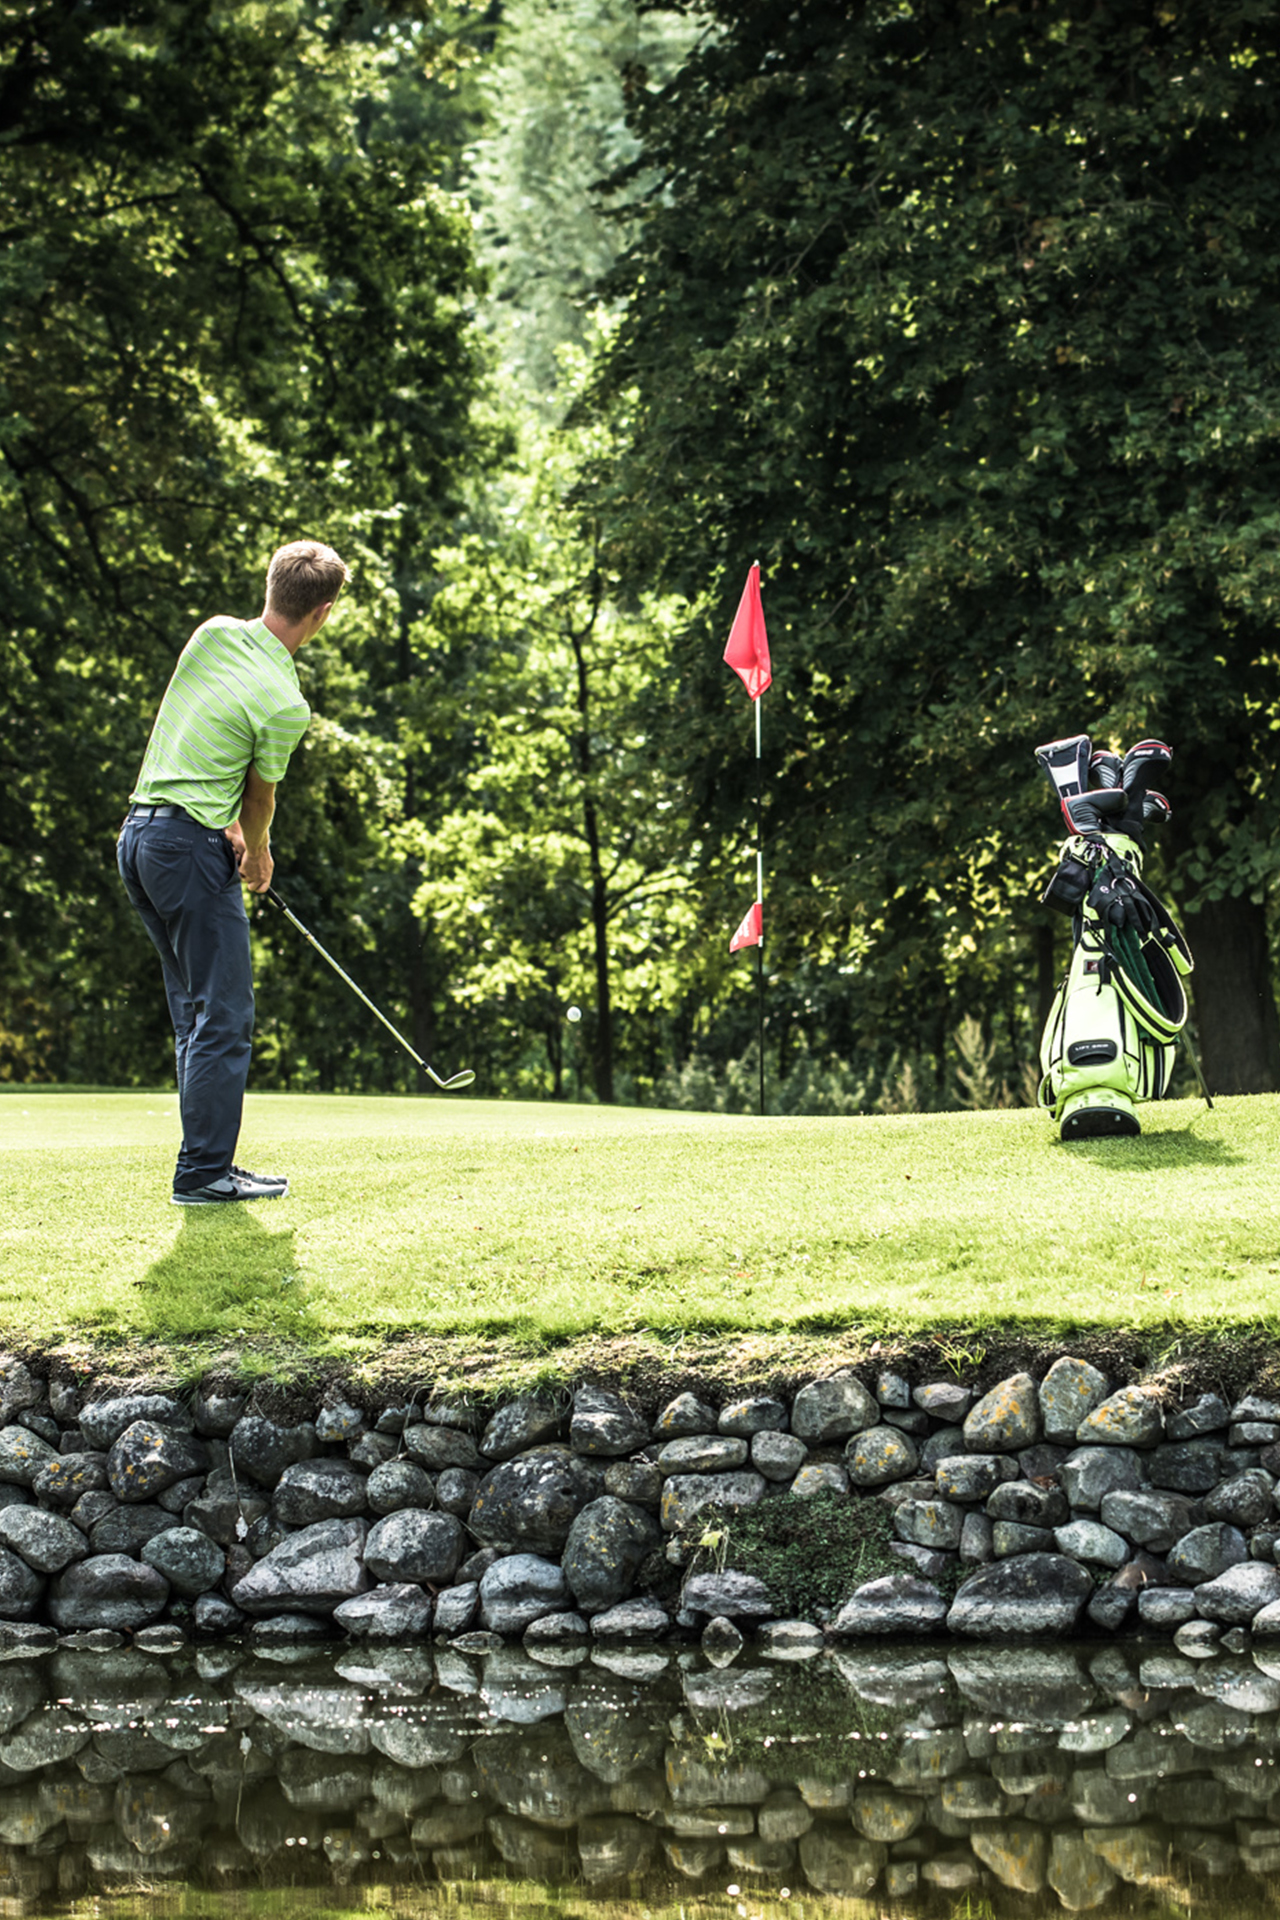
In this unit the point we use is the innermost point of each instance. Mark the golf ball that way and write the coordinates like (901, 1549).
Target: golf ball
(574, 1014)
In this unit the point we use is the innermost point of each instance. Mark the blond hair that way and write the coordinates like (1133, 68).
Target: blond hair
(301, 577)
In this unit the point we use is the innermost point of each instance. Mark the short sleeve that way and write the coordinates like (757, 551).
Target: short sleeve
(276, 740)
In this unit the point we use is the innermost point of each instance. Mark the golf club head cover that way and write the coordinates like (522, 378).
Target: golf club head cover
(1105, 768)
(1090, 814)
(1155, 809)
(1066, 765)
(1141, 764)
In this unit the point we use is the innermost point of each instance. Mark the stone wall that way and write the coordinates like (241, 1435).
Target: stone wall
(1047, 1507)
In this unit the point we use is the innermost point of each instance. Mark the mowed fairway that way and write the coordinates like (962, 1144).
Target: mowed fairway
(541, 1222)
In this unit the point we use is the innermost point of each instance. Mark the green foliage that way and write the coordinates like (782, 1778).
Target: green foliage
(810, 1553)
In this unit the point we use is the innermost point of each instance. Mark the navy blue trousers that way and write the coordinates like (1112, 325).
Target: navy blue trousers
(183, 880)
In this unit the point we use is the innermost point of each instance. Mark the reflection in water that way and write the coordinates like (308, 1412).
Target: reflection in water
(947, 1779)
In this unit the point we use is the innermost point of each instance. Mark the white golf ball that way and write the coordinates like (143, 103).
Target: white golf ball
(574, 1014)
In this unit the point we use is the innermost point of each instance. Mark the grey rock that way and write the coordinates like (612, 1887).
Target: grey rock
(213, 1614)
(703, 1453)
(977, 1544)
(894, 1603)
(941, 1445)
(1207, 1413)
(1028, 1504)
(1043, 1461)
(1150, 1519)
(287, 1630)
(1252, 1433)
(456, 1491)
(1077, 1874)
(632, 1620)
(603, 1425)
(684, 1496)
(778, 1456)
(567, 1629)
(397, 1612)
(22, 1455)
(457, 1608)
(224, 1516)
(636, 1480)
(127, 1529)
(722, 1641)
(929, 1523)
(339, 1421)
(906, 1420)
(465, 1415)
(530, 1503)
(878, 1455)
(313, 1490)
(88, 1509)
(1246, 1500)
(929, 1562)
(1110, 1606)
(110, 1590)
(1005, 1419)
(892, 1389)
(414, 1546)
(519, 1589)
(397, 1484)
(973, 1476)
(1206, 1552)
(523, 1423)
(1090, 1541)
(1090, 1473)
(1069, 1392)
(831, 1409)
(1016, 1536)
(181, 1493)
(837, 1861)
(900, 1491)
(735, 1596)
(1033, 1594)
(1166, 1607)
(62, 1480)
(821, 1476)
(215, 1414)
(757, 1414)
(683, 1415)
(188, 1559)
(371, 1449)
(312, 1571)
(1238, 1594)
(1198, 1639)
(1128, 1418)
(435, 1448)
(20, 1587)
(262, 1450)
(1188, 1466)
(789, 1640)
(46, 1541)
(944, 1400)
(103, 1421)
(606, 1544)
(1256, 1406)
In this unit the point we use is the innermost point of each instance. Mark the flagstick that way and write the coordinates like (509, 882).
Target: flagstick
(760, 895)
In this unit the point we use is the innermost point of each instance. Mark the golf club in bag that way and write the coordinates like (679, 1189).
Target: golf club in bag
(454, 1081)
(1112, 1032)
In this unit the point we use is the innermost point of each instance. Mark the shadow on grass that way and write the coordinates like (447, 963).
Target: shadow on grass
(1154, 1152)
(228, 1271)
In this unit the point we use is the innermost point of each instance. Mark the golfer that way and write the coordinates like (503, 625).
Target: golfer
(198, 826)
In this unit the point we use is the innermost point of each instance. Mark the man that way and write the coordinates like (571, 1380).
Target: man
(198, 826)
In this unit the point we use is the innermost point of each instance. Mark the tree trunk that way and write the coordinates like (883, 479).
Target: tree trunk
(1234, 1000)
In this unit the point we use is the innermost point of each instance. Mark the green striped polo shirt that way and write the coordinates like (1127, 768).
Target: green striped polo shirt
(233, 702)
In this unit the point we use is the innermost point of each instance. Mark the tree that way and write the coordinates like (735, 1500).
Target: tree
(961, 318)
(237, 308)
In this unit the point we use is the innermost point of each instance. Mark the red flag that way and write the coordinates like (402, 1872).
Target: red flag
(751, 932)
(748, 649)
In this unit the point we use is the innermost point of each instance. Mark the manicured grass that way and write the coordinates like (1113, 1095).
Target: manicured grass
(539, 1223)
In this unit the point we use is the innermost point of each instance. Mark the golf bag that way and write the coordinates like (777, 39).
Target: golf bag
(1112, 1032)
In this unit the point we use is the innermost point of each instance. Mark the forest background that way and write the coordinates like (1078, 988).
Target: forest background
(552, 316)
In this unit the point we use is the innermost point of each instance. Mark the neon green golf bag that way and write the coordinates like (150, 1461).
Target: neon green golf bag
(1111, 1036)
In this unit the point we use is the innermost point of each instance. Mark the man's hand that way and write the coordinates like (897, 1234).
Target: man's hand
(256, 869)
(235, 834)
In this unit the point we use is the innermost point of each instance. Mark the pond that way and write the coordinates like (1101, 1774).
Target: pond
(923, 1779)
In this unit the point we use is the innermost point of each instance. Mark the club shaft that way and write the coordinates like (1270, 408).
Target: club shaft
(306, 933)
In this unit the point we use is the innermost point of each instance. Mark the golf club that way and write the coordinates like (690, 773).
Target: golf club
(455, 1080)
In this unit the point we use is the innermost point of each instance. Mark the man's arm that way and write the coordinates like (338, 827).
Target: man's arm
(253, 842)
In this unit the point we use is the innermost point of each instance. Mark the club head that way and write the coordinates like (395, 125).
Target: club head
(1066, 765)
(1155, 809)
(1105, 768)
(1141, 764)
(1091, 814)
(455, 1080)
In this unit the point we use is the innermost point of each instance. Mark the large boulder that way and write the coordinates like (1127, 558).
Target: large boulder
(1006, 1418)
(521, 1424)
(520, 1589)
(313, 1490)
(1069, 1393)
(46, 1541)
(1031, 1593)
(103, 1421)
(110, 1590)
(1129, 1418)
(311, 1572)
(604, 1425)
(188, 1559)
(895, 1603)
(401, 1611)
(22, 1455)
(832, 1409)
(528, 1505)
(147, 1458)
(605, 1546)
(410, 1546)
(261, 1450)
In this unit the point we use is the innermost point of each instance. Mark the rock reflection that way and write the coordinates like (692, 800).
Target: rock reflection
(1049, 1778)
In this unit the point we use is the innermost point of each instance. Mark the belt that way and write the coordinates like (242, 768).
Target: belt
(164, 812)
